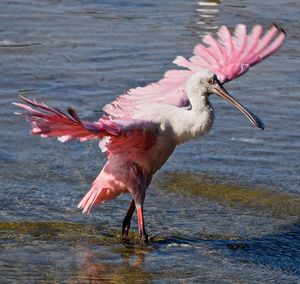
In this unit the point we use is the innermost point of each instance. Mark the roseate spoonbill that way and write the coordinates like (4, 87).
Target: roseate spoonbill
(142, 127)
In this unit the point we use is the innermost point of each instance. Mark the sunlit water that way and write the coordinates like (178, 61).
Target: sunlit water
(224, 209)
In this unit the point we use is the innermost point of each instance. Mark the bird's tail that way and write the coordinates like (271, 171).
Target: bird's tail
(51, 122)
(105, 187)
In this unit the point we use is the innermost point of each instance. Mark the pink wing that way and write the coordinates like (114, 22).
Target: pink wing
(50, 122)
(228, 57)
(169, 90)
(124, 140)
(231, 56)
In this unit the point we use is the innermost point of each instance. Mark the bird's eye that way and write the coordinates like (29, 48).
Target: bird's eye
(210, 81)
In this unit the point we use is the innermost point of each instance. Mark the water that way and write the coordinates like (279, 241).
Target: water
(224, 209)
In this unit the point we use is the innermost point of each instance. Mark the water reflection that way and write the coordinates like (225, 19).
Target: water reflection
(84, 254)
(125, 265)
(90, 254)
(207, 12)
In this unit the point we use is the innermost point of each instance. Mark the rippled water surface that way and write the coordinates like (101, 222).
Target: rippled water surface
(224, 209)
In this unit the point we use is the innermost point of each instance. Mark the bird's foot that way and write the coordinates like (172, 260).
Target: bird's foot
(127, 220)
(125, 231)
(144, 239)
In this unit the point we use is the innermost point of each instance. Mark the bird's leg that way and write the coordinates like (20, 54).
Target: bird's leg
(141, 225)
(127, 219)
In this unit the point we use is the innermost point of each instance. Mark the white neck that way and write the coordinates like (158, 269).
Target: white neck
(199, 104)
(197, 96)
(196, 121)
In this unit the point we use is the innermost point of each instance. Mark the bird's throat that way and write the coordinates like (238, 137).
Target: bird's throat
(200, 104)
(196, 122)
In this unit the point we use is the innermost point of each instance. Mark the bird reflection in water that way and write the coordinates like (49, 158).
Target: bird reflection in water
(125, 265)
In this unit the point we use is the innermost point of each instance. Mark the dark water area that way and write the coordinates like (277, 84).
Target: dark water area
(224, 209)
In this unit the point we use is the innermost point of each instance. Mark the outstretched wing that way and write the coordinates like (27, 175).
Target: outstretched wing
(169, 90)
(228, 57)
(232, 55)
(50, 122)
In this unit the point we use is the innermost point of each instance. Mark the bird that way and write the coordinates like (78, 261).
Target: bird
(141, 128)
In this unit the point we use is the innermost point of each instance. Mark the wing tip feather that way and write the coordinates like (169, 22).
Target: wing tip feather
(278, 27)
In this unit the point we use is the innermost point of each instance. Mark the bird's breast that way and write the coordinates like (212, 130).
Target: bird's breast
(194, 125)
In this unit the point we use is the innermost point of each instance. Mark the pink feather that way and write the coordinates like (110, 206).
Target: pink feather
(129, 142)
(52, 122)
(228, 57)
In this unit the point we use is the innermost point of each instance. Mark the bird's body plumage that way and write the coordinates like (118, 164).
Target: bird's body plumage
(141, 128)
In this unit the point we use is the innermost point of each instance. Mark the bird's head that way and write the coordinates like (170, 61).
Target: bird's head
(205, 83)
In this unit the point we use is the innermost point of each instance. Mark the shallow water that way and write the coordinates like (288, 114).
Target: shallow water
(224, 209)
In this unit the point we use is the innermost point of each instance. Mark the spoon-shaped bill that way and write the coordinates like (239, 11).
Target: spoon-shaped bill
(220, 91)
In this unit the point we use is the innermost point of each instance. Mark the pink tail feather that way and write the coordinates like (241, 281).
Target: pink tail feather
(103, 188)
(51, 122)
